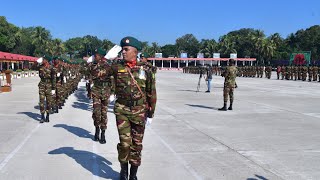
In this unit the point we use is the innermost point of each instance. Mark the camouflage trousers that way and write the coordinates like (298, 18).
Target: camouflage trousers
(100, 97)
(131, 128)
(228, 92)
(314, 76)
(131, 136)
(45, 96)
(59, 94)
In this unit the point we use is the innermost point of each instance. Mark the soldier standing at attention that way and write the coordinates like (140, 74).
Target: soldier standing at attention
(100, 74)
(278, 71)
(46, 87)
(135, 90)
(315, 72)
(229, 84)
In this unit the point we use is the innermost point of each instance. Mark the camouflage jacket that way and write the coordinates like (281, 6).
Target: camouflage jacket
(47, 75)
(230, 76)
(100, 73)
(58, 70)
(127, 91)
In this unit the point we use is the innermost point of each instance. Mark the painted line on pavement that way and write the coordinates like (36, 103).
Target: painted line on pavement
(11, 155)
(185, 164)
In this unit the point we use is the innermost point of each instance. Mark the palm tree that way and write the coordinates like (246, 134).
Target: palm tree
(41, 38)
(226, 45)
(57, 47)
(208, 47)
(268, 49)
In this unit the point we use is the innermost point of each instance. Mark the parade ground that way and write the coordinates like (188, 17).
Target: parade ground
(272, 133)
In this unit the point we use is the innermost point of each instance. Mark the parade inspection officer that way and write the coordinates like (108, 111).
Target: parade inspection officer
(135, 91)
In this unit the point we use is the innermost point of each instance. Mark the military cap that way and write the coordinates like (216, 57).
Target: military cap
(144, 55)
(100, 51)
(47, 57)
(131, 41)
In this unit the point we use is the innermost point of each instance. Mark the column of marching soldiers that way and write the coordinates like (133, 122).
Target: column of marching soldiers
(59, 78)
(294, 72)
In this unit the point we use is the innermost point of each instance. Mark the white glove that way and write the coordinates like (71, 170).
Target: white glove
(40, 60)
(64, 79)
(90, 60)
(87, 81)
(112, 98)
(58, 74)
(53, 92)
(149, 121)
(113, 52)
(91, 85)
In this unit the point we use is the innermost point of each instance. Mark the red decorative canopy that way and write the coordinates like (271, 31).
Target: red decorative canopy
(16, 57)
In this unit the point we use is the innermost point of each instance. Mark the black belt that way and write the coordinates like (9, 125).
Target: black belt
(131, 103)
(101, 83)
(46, 80)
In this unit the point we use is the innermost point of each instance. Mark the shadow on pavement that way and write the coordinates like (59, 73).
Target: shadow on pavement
(76, 131)
(201, 106)
(34, 116)
(83, 101)
(37, 107)
(97, 165)
(110, 107)
(257, 178)
(188, 90)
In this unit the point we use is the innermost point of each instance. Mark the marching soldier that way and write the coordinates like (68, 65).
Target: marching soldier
(58, 98)
(100, 74)
(47, 86)
(229, 85)
(135, 105)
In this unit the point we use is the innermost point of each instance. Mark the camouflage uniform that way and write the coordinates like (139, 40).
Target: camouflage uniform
(304, 71)
(229, 85)
(283, 72)
(295, 72)
(100, 74)
(132, 108)
(315, 73)
(310, 73)
(58, 98)
(46, 85)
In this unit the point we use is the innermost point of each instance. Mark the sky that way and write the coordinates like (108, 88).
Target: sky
(161, 21)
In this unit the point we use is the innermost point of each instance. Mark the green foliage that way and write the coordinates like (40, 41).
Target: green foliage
(169, 50)
(246, 42)
(7, 35)
(188, 43)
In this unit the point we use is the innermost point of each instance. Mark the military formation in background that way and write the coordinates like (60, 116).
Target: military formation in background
(58, 80)
(294, 72)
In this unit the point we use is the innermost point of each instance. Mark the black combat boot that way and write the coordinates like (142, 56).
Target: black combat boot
(103, 138)
(42, 118)
(133, 172)
(97, 133)
(47, 118)
(60, 106)
(230, 107)
(124, 171)
(224, 108)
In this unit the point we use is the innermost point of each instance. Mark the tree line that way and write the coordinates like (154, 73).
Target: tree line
(246, 42)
